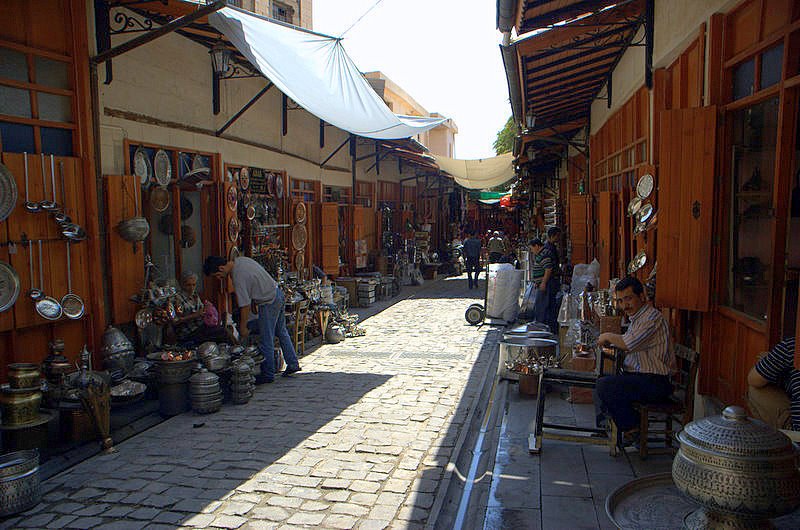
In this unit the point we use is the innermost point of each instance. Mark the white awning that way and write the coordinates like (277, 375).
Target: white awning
(479, 174)
(315, 71)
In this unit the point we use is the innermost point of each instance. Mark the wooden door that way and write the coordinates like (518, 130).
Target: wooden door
(606, 233)
(579, 228)
(685, 184)
(329, 238)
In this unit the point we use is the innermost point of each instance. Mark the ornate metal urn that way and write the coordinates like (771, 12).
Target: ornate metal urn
(742, 471)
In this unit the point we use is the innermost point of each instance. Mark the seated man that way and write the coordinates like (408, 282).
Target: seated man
(777, 368)
(192, 325)
(648, 361)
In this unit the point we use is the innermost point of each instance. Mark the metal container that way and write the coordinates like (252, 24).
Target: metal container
(173, 398)
(20, 485)
(20, 405)
(171, 372)
(134, 229)
(740, 470)
(117, 350)
(23, 375)
(527, 356)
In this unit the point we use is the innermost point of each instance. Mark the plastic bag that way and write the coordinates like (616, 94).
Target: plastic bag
(583, 274)
(528, 302)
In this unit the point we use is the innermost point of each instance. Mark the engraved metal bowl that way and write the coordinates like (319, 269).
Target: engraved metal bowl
(740, 470)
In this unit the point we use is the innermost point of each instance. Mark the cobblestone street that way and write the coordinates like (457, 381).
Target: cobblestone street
(361, 438)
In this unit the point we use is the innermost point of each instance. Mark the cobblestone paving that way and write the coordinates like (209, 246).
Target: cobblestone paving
(359, 439)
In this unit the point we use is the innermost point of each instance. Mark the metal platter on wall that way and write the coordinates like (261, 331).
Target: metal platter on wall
(142, 167)
(162, 166)
(244, 178)
(271, 183)
(279, 186)
(645, 186)
(233, 229)
(300, 213)
(644, 214)
(159, 199)
(299, 237)
(634, 206)
(233, 253)
(230, 199)
(9, 286)
(8, 192)
(637, 262)
(299, 261)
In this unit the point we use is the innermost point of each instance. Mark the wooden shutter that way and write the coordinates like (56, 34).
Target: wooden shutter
(686, 203)
(125, 262)
(579, 228)
(605, 235)
(329, 238)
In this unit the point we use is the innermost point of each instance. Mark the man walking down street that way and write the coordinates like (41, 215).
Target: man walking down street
(541, 274)
(496, 247)
(472, 255)
(258, 292)
(553, 283)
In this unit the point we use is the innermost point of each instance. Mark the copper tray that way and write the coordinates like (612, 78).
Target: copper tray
(653, 502)
(300, 213)
(299, 261)
(8, 192)
(244, 178)
(230, 199)
(233, 229)
(299, 237)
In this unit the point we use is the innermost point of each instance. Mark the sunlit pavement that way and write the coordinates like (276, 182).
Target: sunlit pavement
(359, 439)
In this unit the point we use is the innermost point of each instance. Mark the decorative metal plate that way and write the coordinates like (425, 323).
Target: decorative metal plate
(162, 167)
(142, 167)
(233, 253)
(634, 206)
(279, 186)
(637, 262)
(271, 183)
(229, 176)
(9, 286)
(230, 199)
(651, 502)
(8, 192)
(645, 186)
(645, 213)
(299, 237)
(49, 308)
(233, 229)
(159, 199)
(300, 213)
(244, 178)
(299, 261)
(639, 228)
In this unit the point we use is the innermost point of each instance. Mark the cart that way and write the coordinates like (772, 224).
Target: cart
(476, 314)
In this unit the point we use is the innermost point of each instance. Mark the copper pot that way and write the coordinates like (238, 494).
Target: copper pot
(23, 375)
(20, 405)
(741, 470)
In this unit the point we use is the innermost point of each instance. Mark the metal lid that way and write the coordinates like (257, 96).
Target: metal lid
(204, 377)
(735, 435)
(530, 341)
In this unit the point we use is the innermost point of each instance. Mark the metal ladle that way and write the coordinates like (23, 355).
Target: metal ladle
(32, 207)
(72, 304)
(46, 204)
(61, 217)
(47, 306)
(34, 293)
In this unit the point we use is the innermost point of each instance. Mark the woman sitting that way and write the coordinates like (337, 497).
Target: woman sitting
(196, 321)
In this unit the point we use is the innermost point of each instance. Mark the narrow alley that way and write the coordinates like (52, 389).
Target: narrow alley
(359, 439)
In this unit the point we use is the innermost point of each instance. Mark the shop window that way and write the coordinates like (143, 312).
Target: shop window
(744, 79)
(15, 102)
(16, 138)
(282, 12)
(13, 65)
(52, 73)
(56, 141)
(771, 66)
(754, 132)
(55, 108)
(192, 235)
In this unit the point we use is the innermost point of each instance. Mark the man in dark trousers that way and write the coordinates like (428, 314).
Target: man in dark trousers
(258, 292)
(472, 256)
(552, 283)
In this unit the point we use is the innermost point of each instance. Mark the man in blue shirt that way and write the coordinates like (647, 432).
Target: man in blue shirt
(472, 256)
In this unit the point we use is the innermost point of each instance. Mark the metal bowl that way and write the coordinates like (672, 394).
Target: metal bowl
(20, 484)
(134, 229)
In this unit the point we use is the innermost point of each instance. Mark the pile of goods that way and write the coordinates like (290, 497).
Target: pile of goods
(242, 381)
(176, 355)
(205, 392)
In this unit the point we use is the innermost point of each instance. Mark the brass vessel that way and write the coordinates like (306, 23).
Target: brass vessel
(742, 472)
(23, 375)
(20, 405)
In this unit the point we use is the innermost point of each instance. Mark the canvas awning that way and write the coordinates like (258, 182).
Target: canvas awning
(315, 71)
(481, 173)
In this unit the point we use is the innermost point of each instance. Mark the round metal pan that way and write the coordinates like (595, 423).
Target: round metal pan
(8, 192)
(162, 168)
(71, 304)
(9, 286)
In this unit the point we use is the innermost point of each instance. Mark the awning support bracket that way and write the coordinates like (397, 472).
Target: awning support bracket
(244, 108)
(334, 152)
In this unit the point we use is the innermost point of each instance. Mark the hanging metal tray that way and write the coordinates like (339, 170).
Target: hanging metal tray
(634, 206)
(299, 237)
(230, 199)
(645, 212)
(142, 167)
(162, 166)
(300, 213)
(299, 261)
(279, 186)
(233, 229)
(637, 262)
(8, 192)
(645, 186)
(9, 286)
(244, 178)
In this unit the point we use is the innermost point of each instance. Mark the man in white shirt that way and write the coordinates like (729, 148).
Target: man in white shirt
(258, 292)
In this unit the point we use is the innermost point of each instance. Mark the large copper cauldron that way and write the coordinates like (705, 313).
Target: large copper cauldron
(742, 471)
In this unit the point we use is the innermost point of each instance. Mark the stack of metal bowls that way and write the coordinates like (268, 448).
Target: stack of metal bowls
(20, 400)
(205, 392)
(255, 354)
(117, 350)
(242, 381)
(173, 384)
(20, 485)
(212, 357)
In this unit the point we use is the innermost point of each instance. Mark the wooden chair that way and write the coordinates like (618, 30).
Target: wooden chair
(299, 331)
(678, 407)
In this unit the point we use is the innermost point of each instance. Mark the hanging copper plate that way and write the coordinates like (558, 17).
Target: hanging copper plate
(230, 199)
(159, 199)
(279, 186)
(300, 213)
(299, 237)
(299, 261)
(244, 178)
(271, 183)
(233, 229)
